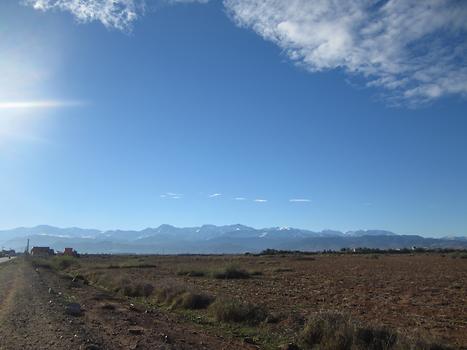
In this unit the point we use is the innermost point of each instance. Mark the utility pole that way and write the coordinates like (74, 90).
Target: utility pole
(27, 248)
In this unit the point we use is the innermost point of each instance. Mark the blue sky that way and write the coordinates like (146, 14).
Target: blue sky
(193, 112)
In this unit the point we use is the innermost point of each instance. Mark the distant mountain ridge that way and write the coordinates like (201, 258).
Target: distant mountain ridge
(208, 239)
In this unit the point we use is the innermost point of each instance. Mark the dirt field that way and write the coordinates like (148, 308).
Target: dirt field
(421, 295)
(32, 316)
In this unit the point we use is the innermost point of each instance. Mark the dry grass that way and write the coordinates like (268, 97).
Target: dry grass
(234, 311)
(335, 331)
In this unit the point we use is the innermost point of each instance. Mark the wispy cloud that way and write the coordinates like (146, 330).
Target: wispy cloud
(259, 200)
(214, 195)
(299, 200)
(414, 50)
(114, 14)
(240, 198)
(37, 104)
(118, 14)
(171, 195)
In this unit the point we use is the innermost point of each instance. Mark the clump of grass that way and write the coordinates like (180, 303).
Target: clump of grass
(234, 311)
(192, 301)
(134, 289)
(191, 273)
(231, 272)
(63, 262)
(336, 331)
(168, 294)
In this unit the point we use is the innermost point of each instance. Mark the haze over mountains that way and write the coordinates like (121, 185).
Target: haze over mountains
(206, 239)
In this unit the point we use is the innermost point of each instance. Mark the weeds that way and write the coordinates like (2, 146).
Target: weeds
(58, 263)
(134, 289)
(335, 331)
(234, 311)
(192, 301)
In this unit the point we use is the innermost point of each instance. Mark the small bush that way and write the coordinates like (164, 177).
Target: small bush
(192, 301)
(328, 331)
(234, 311)
(168, 294)
(231, 272)
(134, 289)
(191, 273)
(336, 331)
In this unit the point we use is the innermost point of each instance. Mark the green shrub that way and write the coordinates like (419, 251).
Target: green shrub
(192, 301)
(234, 311)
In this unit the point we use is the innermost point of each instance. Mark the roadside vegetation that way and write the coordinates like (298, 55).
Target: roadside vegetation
(57, 263)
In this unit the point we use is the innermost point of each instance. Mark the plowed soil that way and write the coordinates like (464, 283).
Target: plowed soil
(422, 295)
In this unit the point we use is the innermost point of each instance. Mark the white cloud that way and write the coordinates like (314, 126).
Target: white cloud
(415, 50)
(171, 195)
(115, 14)
(299, 200)
(214, 195)
(119, 14)
(260, 200)
(240, 198)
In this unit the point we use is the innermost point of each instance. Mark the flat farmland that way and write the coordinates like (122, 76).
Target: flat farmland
(417, 295)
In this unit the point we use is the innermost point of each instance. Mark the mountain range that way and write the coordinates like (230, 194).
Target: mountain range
(211, 239)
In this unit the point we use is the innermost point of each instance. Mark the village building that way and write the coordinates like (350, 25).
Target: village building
(42, 251)
(70, 252)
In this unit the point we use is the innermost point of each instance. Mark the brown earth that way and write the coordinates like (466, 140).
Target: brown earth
(422, 295)
(32, 316)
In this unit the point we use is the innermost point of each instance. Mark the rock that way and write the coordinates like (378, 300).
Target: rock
(136, 330)
(73, 309)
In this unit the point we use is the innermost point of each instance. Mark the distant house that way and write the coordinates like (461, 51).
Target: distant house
(10, 252)
(42, 251)
(70, 252)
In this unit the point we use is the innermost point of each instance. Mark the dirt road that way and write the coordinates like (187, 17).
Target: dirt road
(32, 316)
(4, 260)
